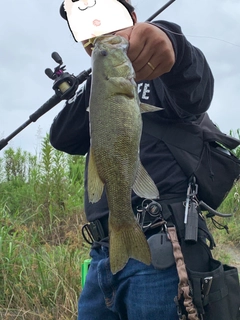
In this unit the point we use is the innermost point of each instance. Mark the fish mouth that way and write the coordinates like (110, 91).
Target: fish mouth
(113, 47)
(110, 41)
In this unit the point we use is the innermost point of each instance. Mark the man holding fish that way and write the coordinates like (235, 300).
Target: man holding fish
(128, 170)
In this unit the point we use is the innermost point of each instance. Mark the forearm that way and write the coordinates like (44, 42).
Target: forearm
(190, 82)
(70, 129)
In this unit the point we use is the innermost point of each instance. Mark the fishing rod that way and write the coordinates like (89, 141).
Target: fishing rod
(65, 85)
(160, 10)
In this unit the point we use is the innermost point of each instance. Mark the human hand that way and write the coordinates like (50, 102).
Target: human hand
(150, 50)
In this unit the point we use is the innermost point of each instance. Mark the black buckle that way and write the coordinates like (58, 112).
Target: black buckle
(93, 232)
(149, 213)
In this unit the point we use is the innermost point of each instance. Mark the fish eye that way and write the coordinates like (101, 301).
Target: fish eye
(104, 53)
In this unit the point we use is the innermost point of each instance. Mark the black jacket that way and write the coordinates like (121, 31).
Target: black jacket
(185, 92)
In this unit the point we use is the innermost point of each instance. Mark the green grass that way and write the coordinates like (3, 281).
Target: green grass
(41, 245)
(224, 239)
(38, 276)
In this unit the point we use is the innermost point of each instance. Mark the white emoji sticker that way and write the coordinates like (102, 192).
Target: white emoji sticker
(91, 18)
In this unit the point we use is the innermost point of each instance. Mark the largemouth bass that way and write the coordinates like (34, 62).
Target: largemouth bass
(115, 130)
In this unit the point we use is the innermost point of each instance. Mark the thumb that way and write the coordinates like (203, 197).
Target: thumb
(125, 33)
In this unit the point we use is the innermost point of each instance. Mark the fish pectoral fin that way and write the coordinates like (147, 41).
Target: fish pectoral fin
(123, 86)
(127, 242)
(143, 185)
(95, 184)
(144, 107)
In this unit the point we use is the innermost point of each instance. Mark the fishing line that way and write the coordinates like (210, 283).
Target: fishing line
(199, 36)
(213, 38)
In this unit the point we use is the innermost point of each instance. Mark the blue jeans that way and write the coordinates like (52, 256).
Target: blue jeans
(137, 292)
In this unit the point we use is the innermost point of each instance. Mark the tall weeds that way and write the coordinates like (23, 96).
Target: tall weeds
(41, 248)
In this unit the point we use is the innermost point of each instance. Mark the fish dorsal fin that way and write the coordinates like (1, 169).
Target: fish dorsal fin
(144, 107)
(143, 185)
(95, 184)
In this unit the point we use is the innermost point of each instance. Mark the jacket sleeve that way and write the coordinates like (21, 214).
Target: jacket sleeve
(189, 85)
(69, 131)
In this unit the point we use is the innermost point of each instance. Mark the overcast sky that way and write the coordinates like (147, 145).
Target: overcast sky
(30, 30)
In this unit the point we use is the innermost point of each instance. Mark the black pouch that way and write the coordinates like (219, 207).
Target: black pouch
(201, 150)
(216, 293)
(216, 163)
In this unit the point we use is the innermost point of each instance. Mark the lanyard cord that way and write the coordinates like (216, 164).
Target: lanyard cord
(183, 286)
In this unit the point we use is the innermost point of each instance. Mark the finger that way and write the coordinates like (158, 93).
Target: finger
(152, 64)
(137, 44)
(150, 72)
(125, 33)
(142, 59)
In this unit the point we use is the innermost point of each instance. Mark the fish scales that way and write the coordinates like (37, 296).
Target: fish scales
(115, 130)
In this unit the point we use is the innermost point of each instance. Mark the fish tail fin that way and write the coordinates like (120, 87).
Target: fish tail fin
(128, 242)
